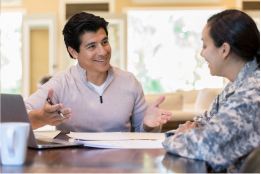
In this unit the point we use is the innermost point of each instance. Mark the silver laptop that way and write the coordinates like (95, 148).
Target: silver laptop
(13, 110)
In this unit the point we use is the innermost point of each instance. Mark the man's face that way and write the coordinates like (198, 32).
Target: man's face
(95, 52)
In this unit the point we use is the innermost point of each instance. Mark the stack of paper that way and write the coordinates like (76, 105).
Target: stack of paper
(119, 140)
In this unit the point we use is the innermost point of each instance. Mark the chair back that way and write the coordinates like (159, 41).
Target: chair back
(252, 163)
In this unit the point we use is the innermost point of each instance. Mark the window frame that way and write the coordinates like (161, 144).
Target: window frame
(38, 21)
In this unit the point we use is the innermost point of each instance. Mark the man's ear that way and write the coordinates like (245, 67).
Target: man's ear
(73, 52)
(225, 50)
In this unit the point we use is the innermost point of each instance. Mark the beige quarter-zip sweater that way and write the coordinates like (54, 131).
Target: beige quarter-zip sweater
(121, 105)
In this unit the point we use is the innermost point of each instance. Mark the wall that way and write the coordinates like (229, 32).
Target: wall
(37, 6)
(53, 6)
(39, 56)
(121, 4)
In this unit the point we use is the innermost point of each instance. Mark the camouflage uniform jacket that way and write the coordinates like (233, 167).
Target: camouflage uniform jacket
(229, 130)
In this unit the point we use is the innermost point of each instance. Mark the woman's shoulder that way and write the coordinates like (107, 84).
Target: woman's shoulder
(251, 85)
(256, 74)
(253, 80)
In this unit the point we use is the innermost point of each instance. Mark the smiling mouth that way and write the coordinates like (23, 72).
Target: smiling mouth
(101, 60)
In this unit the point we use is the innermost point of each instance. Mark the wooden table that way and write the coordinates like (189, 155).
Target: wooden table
(94, 160)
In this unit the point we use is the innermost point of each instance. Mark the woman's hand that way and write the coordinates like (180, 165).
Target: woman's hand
(187, 125)
(155, 116)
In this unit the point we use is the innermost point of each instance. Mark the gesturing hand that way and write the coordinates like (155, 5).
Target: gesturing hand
(49, 114)
(155, 116)
(187, 125)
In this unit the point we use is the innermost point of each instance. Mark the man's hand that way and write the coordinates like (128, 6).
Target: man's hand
(155, 116)
(187, 125)
(48, 115)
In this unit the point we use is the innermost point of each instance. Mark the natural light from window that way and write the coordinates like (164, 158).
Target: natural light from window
(164, 50)
(11, 61)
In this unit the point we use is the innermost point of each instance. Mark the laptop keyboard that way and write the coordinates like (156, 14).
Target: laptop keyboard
(40, 142)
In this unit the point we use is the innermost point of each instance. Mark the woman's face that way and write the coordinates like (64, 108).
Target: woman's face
(211, 53)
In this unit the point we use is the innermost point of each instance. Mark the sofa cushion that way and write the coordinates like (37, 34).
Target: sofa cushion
(205, 97)
(187, 115)
(173, 101)
(189, 98)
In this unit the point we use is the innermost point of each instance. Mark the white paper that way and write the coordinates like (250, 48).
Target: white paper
(98, 136)
(46, 134)
(124, 144)
(116, 136)
(144, 136)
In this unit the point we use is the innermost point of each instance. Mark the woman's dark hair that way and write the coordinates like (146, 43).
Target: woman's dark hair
(239, 31)
(79, 24)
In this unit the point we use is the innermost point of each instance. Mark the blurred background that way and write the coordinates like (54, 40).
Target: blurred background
(159, 41)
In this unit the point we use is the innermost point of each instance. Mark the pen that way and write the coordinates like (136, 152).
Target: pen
(51, 103)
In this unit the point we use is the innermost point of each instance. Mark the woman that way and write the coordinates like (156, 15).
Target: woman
(225, 134)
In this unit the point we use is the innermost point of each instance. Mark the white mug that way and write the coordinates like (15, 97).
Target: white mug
(14, 140)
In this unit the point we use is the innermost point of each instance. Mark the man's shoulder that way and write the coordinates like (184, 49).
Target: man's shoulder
(69, 73)
(122, 73)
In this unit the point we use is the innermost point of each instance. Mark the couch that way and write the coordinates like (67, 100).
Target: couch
(185, 105)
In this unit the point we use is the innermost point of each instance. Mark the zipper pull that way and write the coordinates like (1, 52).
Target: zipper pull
(101, 99)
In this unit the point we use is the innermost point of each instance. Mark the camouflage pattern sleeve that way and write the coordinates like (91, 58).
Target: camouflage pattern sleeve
(231, 127)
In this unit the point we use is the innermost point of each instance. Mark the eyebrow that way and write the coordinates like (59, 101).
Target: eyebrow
(91, 43)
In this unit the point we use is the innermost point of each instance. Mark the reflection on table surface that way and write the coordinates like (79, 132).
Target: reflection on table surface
(94, 160)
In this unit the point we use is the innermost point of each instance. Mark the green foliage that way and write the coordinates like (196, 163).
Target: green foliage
(152, 86)
(177, 29)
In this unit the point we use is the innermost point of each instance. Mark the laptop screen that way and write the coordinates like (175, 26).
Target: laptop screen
(13, 110)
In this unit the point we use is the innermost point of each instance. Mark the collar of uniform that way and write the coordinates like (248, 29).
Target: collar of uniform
(243, 74)
(83, 77)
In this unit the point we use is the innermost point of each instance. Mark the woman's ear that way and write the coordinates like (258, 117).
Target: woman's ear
(72, 52)
(225, 50)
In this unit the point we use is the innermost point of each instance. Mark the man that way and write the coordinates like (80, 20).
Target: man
(101, 98)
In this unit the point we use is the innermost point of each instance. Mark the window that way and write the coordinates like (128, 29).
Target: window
(11, 62)
(11, 2)
(164, 50)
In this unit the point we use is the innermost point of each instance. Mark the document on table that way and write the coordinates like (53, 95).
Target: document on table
(144, 136)
(122, 144)
(119, 140)
(116, 136)
(98, 136)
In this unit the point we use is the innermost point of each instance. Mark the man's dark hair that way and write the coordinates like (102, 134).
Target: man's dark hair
(239, 31)
(79, 24)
